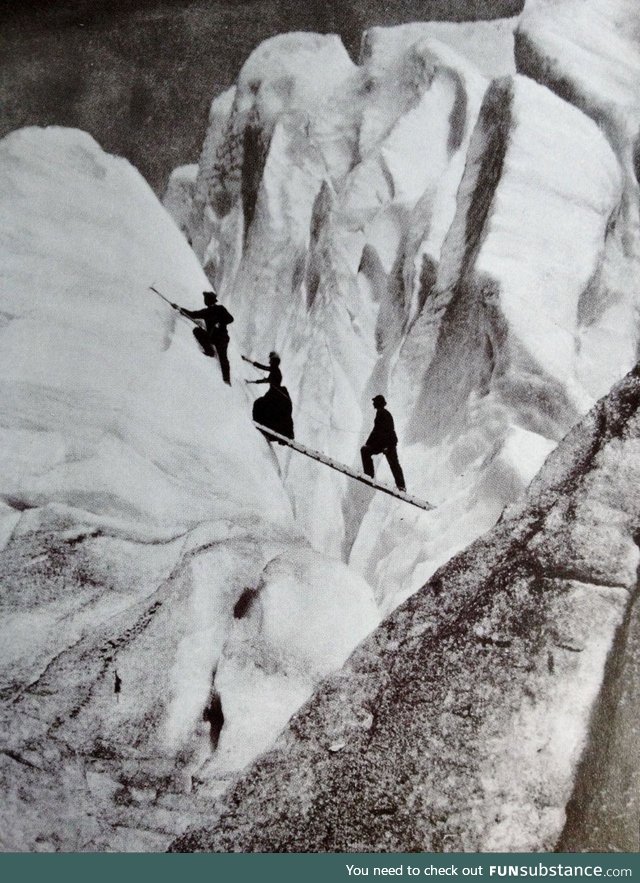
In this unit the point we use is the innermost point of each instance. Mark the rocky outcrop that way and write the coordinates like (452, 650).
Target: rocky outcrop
(460, 723)
(604, 806)
(424, 223)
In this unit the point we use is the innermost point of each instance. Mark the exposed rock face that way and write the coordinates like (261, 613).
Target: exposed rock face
(603, 811)
(460, 723)
(138, 507)
(589, 53)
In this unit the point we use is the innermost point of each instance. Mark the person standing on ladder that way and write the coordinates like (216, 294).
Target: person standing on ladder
(215, 339)
(274, 409)
(382, 440)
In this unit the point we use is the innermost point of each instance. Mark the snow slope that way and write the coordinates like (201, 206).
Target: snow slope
(138, 505)
(426, 224)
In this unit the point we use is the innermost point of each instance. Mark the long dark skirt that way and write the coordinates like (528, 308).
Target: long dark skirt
(275, 411)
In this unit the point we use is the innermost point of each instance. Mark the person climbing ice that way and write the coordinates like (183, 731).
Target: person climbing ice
(382, 440)
(274, 409)
(275, 374)
(214, 339)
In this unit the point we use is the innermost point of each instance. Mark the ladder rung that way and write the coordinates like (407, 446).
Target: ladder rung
(345, 470)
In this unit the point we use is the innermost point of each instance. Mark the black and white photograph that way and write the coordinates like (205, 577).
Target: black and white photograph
(320, 426)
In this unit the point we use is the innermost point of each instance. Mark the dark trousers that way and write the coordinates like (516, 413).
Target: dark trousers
(221, 344)
(391, 453)
(215, 345)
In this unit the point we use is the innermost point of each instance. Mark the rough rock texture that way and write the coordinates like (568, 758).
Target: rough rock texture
(603, 812)
(589, 53)
(407, 225)
(138, 506)
(460, 723)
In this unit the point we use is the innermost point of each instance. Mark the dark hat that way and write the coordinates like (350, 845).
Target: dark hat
(379, 400)
(205, 293)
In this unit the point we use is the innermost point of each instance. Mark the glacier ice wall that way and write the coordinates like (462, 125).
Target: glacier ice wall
(427, 225)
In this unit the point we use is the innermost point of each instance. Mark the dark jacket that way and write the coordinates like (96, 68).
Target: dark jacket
(383, 434)
(275, 374)
(216, 318)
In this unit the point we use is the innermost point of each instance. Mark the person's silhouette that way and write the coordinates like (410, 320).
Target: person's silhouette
(275, 374)
(215, 339)
(382, 440)
(274, 409)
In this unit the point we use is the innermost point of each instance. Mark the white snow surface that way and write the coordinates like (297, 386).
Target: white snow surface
(138, 505)
(344, 186)
(595, 46)
(272, 663)
(180, 193)
(105, 417)
(486, 44)
(589, 53)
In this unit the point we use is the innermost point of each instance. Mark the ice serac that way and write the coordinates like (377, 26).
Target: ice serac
(317, 208)
(459, 725)
(385, 235)
(589, 53)
(179, 194)
(515, 338)
(139, 510)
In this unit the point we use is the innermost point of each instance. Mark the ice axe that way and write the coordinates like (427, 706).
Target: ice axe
(199, 332)
(172, 305)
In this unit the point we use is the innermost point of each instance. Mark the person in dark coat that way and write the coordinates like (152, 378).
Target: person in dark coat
(382, 440)
(275, 374)
(274, 409)
(215, 339)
